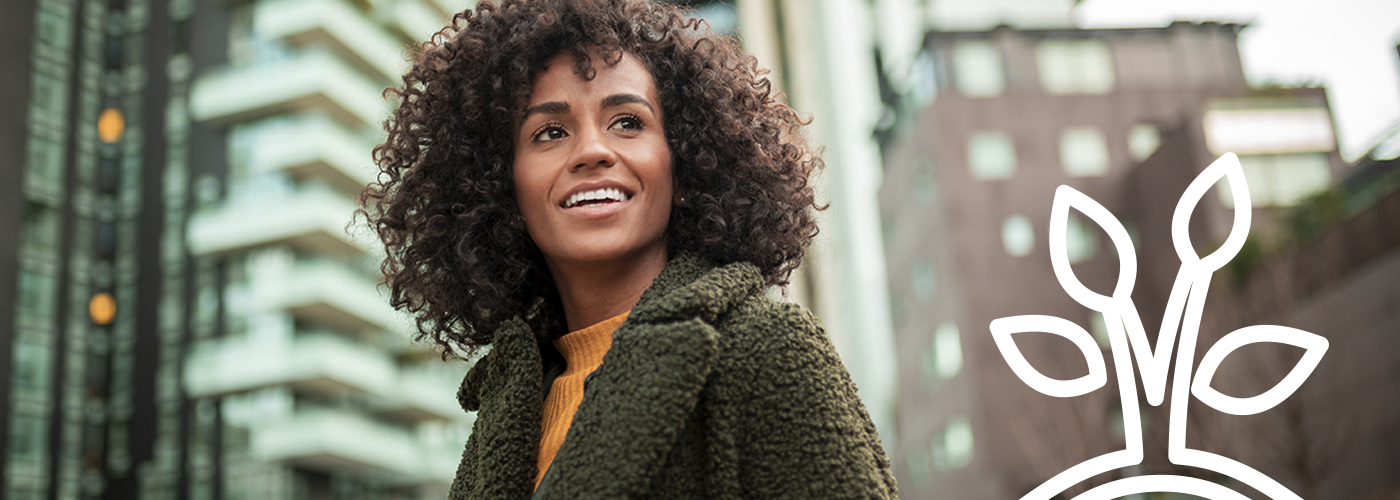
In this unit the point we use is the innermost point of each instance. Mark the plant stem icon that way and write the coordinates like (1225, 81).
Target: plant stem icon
(1127, 336)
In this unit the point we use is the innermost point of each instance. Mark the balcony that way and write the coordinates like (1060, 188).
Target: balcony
(423, 395)
(310, 80)
(314, 146)
(418, 20)
(311, 217)
(317, 363)
(342, 441)
(338, 26)
(330, 293)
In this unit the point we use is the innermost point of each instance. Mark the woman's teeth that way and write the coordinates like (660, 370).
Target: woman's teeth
(595, 196)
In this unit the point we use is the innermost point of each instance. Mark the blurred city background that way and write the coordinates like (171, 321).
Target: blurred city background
(184, 315)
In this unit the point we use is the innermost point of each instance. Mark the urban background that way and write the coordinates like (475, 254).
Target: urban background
(184, 314)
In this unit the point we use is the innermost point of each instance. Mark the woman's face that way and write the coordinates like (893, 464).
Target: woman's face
(592, 169)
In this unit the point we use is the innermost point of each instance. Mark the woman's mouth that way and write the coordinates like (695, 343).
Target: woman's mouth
(596, 197)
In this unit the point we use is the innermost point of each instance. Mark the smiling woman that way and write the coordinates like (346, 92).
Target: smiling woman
(601, 190)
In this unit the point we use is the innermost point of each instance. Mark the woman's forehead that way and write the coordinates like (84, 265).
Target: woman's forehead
(560, 80)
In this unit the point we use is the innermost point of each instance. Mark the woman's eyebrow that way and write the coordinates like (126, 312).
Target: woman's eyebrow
(620, 99)
(548, 108)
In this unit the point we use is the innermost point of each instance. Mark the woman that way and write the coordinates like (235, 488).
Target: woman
(600, 190)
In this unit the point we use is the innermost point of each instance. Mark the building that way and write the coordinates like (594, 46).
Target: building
(95, 277)
(320, 390)
(1126, 116)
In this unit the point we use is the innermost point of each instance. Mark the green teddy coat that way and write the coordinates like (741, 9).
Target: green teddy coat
(710, 390)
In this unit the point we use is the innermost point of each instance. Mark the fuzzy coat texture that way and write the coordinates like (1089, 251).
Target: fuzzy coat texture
(710, 390)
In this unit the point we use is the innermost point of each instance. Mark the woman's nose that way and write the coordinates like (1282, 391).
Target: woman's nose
(594, 150)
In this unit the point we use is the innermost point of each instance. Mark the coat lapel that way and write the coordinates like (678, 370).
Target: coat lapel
(634, 406)
(637, 402)
(505, 387)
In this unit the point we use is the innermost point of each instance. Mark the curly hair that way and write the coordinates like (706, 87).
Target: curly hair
(458, 254)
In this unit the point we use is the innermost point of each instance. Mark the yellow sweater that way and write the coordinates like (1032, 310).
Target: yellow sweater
(583, 352)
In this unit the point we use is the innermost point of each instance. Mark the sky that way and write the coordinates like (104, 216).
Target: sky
(1346, 45)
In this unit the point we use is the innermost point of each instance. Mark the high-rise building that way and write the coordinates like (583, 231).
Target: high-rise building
(320, 390)
(1126, 116)
(95, 278)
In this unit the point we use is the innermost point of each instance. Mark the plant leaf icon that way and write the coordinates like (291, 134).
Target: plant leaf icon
(1003, 328)
(1314, 346)
(1227, 166)
(1065, 198)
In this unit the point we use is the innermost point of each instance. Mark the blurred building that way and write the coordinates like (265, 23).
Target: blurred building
(320, 391)
(1003, 117)
(1333, 271)
(96, 283)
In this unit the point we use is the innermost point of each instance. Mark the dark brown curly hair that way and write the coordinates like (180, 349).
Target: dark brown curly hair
(458, 254)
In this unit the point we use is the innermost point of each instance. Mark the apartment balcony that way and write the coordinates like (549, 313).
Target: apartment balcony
(313, 146)
(311, 217)
(323, 364)
(422, 396)
(329, 293)
(419, 19)
(338, 26)
(310, 80)
(342, 441)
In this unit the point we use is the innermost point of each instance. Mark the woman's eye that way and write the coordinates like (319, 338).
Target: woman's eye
(627, 123)
(549, 134)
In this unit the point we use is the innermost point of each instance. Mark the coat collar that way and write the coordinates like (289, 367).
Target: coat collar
(638, 401)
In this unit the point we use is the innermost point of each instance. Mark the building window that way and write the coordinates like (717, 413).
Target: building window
(952, 449)
(1080, 240)
(943, 358)
(1017, 236)
(977, 68)
(1143, 140)
(45, 167)
(36, 295)
(1083, 152)
(948, 345)
(925, 78)
(1280, 180)
(991, 155)
(921, 188)
(921, 279)
(1083, 66)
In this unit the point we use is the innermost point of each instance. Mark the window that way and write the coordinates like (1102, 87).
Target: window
(978, 70)
(921, 279)
(1017, 236)
(1280, 180)
(1083, 66)
(990, 155)
(36, 295)
(1080, 240)
(921, 188)
(1143, 140)
(943, 358)
(45, 164)
(952, 449)
(1083, 152)
(41, 228)
(925, 79)
(948, 346)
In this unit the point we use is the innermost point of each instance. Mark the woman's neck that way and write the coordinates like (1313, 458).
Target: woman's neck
(595, 291)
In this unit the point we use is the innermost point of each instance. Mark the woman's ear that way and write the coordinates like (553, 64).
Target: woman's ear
(679, 199)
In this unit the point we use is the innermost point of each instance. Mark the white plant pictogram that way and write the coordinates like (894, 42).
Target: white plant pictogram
(1184, 306)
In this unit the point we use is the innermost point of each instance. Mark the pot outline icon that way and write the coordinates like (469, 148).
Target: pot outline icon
(1128, 342)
